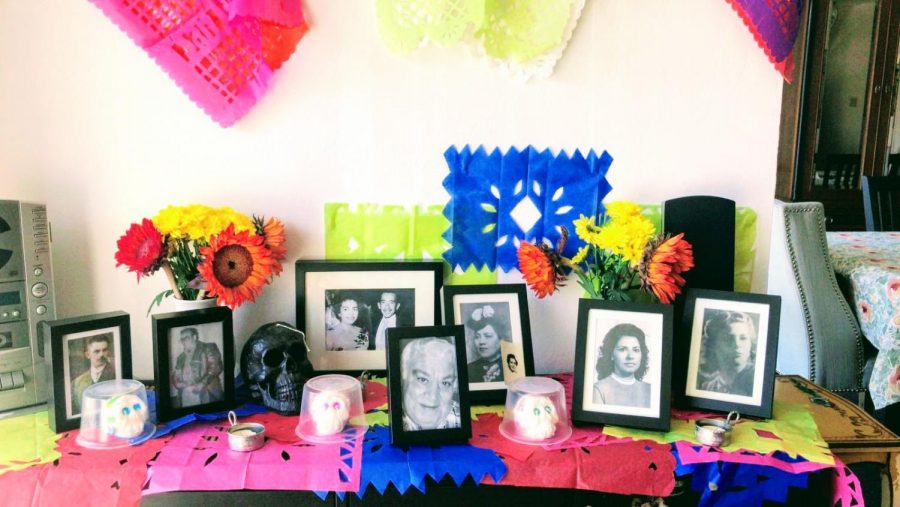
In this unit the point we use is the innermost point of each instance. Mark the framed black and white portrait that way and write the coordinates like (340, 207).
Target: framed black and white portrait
(623, 359)
(428, 390)
(731, 351)
(498, 336)
(193, 354)
(346, 308)
(84, 351)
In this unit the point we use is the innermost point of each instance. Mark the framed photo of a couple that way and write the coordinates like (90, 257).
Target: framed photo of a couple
(623, 364)
(497, 336)
(346, 308)
(731, 350)
(83, 351)
(193, 360)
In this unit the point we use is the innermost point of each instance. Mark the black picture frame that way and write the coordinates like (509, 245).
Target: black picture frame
(598, 320)
(511, 302)
(59, 340)
(398, 340)
(164, 327)
(416, 284)
(706, 313)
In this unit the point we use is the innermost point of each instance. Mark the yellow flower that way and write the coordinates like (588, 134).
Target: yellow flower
(612, 236)
(586, 230)
(581, 255)
(626, 236)
(622, 209)
(197, 222)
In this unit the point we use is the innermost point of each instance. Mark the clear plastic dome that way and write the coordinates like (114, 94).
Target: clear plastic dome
(536, 412)
(114, 413)
(330, 405)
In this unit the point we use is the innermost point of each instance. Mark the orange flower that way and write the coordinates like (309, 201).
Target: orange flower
(662, 264)
(236, 266)
(272, 231)
(541, 268)
(141, 249)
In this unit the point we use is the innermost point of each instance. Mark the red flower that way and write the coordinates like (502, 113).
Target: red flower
(141, 248)
(540, 267)
(662, 264)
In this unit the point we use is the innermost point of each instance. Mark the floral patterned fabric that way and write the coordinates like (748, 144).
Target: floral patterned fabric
(870, 261)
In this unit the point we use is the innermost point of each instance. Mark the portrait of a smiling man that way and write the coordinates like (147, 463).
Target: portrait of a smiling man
(430, 386)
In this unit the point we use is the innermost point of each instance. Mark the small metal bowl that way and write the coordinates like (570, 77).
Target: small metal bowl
(716, 432)
(245, 437)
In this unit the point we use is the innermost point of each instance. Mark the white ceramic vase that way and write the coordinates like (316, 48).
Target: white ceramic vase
(183, 305)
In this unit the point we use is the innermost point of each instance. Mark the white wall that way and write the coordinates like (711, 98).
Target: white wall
(677, 91)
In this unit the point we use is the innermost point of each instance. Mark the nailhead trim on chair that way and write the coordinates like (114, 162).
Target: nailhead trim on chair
(860, 357)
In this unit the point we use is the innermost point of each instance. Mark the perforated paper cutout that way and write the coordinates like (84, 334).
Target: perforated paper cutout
(497, 200)
(221, 54)
(527, 37)
(690, 453)
(387, 464)
(774, 25)
(384, 231)
(198, 458)
(847, 488)
(81, 475)
(792, 423)
(733, 484)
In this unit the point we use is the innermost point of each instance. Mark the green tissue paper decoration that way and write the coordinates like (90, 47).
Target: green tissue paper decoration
(25, 441)
(528, 36)
(377, 232)
(523, 29)
(405, 24)
(744, 249)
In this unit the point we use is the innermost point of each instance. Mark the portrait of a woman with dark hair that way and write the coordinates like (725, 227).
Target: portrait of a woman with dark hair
(727, 353)
(346, 325)
(622, 362)
(487, 330)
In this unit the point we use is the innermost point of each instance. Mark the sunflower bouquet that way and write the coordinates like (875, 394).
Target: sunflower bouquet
(622, 252)
(205, 252)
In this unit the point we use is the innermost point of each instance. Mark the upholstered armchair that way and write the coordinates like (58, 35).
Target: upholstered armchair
(819, 337)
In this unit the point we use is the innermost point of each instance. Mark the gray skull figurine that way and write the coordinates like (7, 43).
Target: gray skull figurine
(275, 366)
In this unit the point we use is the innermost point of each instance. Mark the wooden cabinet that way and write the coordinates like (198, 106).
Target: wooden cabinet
(838, 114)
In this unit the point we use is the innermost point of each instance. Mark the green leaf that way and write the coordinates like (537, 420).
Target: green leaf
(158, 299)
(488, 207)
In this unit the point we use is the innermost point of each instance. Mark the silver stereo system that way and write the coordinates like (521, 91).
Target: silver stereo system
(26, 300)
